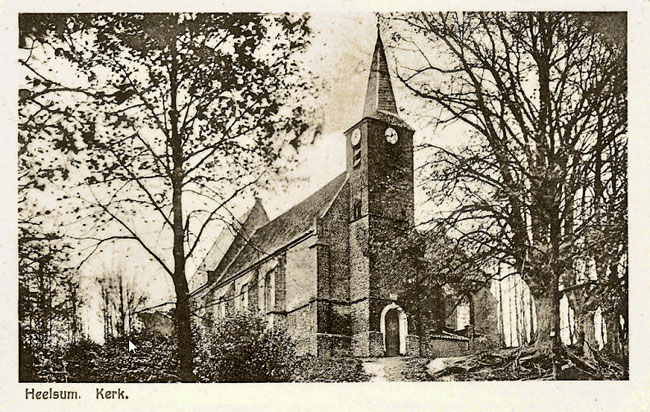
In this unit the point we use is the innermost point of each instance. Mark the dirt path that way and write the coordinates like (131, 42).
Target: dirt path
(385, 369)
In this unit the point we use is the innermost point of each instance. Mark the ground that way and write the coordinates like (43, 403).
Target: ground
(396, 369)
(525, 363)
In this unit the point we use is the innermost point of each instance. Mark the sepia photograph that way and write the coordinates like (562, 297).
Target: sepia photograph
(322, 197)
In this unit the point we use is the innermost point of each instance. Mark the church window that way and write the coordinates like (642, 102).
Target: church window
(463, 313)
(355, 140)
(244, 297)
(356, 210)
(261, 295)
(269, 291)
(230, 299)
(356, 157)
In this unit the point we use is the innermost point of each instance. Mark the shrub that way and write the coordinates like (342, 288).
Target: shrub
(41, 365)
(154, 360)
(242, 348)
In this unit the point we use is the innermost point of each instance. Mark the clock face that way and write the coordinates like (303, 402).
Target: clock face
(391, 135)
(356, 137)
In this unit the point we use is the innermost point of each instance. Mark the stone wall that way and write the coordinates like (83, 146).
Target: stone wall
(333, 249)
(359, 314)
(412, 345)
(333, 317)
(333, 345)
(359, 264)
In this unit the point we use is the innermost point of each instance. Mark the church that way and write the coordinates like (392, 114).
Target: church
(322, 271)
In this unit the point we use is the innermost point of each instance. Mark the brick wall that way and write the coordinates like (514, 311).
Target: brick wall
(333, 345)
(301, 328)
(359, 314)
(333, 249)
(300, 276)
(390, 173)
(443, 347)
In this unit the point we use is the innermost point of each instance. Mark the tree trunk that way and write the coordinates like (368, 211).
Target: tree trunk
(589, 342)
(184, 333)
(613, 338)
(545, 322)
(502, 334)
(547, 338)
(182, 314)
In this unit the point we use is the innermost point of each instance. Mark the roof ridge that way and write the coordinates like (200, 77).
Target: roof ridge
(336, 195)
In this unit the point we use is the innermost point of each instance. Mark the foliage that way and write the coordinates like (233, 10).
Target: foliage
(153, 360)
(120, 300)
(242, 348)
(245, 350)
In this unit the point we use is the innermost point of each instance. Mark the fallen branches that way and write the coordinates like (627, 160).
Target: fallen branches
(525, 363)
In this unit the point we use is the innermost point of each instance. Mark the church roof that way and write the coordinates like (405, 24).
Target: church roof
(285, 228)
(229, 243)
(252, 220)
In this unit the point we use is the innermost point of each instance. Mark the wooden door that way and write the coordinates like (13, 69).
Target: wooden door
(392, 333)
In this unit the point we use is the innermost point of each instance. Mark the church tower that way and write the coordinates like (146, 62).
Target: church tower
(380, 175)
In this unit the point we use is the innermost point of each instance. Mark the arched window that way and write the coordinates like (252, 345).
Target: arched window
(222, 309)
(261, 294)
(269, 291)
(230, 299)
(463, 313)
(356, 210)
(244, 297)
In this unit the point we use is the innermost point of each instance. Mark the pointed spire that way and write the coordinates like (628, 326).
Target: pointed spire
(379, 94)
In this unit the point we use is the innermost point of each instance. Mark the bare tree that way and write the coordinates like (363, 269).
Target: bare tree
(530, 88)
(121, 299)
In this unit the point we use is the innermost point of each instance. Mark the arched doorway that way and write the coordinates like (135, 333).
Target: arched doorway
(394, 328)
(392, 333)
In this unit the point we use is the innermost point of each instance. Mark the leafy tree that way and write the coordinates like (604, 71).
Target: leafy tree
(539, 95)
(170, 117)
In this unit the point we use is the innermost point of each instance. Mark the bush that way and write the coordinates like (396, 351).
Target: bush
(41, 365)
(153, 360)
(242, 348)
